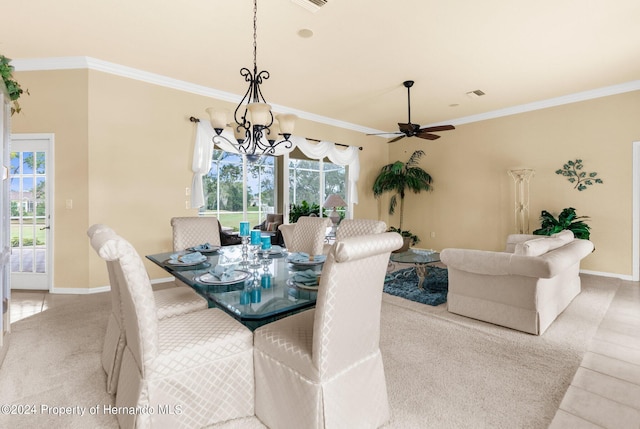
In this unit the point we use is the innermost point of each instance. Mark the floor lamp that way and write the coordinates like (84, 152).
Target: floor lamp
(334, 200)
(521, 177)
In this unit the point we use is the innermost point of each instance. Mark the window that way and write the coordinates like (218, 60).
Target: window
(224, 190)
(312, 181)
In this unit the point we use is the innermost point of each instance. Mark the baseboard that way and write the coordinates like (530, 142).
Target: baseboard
(99, 289)
(603, 274)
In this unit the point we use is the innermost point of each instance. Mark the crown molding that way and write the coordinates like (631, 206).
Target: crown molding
(68, 63)
(545, 104)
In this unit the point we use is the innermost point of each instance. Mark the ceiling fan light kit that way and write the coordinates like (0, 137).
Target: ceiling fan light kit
(413, 130)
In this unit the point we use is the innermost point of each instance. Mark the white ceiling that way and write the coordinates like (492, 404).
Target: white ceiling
(361, 51)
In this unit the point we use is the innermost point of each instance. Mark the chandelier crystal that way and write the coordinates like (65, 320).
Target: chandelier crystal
(255, 129)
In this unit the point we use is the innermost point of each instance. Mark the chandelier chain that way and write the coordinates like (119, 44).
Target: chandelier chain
(255, 35)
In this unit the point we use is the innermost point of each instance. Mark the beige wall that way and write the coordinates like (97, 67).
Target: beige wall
(473, 198)
(123, 154)
(58, 104)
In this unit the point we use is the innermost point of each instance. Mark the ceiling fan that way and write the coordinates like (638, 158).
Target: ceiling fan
(414, 130)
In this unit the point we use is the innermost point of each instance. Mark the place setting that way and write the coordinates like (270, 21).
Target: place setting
(223, 274)
(271, 251)
(186, 260)
(308, 279)
(304, 259)
(205, 248)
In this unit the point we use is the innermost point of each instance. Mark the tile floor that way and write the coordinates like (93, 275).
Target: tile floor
(605, 392)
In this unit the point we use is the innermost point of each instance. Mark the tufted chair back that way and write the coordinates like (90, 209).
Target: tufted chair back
(355, 227)
(323, 368)
(308, 235)
(194, 230)
(354, 272)
(136, 296)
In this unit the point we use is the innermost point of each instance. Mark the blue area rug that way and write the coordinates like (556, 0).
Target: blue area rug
(404, 283)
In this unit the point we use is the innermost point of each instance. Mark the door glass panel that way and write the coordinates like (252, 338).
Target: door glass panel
(28, 212)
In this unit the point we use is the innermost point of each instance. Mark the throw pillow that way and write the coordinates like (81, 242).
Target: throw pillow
(272, 226)
(534, 247)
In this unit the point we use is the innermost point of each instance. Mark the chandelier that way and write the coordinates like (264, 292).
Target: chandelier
(255, 130)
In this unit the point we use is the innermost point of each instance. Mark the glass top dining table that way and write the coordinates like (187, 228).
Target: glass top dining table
(265, 302)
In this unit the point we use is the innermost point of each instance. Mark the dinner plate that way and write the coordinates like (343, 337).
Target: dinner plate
(212, 249)
(302, 285)
(306, 287)
(210, 279)
(185, 264)
(305, 263)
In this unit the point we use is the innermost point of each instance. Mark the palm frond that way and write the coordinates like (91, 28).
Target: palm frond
(392, 204)
(415, 157)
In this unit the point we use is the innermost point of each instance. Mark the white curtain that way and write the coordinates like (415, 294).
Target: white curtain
(203, 151)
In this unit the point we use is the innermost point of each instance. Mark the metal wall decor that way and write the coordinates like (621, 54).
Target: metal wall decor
(572, 170)
(521, 178)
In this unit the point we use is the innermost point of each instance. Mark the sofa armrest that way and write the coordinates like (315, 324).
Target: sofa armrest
(502, 263)
(477, 261)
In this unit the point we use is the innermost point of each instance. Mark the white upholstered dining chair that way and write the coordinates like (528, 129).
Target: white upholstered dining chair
(198, 365)
(322, 368)
(306, 235)
(171, 301)
(194, 230)
(355, 227)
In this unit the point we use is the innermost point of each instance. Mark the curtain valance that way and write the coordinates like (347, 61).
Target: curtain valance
(203, 151)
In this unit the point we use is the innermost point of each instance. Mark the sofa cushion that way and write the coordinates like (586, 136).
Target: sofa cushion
(540, 246)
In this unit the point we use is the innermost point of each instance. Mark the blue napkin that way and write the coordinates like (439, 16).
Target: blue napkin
(307, 277)
(304, 257)
(206, 247)
(223, 272)
(187, 258)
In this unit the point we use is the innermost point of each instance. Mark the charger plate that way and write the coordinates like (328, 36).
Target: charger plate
(210, 279)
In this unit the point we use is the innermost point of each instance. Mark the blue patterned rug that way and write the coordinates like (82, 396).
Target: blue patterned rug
(404, 283)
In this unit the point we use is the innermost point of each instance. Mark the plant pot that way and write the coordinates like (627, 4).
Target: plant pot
(405, 245)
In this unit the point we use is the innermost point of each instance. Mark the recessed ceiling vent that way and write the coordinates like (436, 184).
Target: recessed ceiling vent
(475, 94)
(310, 5)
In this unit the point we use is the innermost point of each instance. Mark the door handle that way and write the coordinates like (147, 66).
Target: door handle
(45, 227)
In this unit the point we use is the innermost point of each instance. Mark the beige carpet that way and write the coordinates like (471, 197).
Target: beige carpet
(443, 370)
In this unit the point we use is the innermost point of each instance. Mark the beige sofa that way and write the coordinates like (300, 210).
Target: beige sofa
(524, 288)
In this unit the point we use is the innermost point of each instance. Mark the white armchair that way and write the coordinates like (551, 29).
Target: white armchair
(200, 363)
(323, 367)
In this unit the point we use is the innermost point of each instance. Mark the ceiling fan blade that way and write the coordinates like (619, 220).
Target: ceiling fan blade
(396, 139)
(438, 128)
(427, 136)
(391, 134)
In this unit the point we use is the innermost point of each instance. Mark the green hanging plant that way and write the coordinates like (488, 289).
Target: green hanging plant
(572, 170)
(13, 87)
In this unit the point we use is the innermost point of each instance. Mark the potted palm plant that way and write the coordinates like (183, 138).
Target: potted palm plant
(400, 177)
